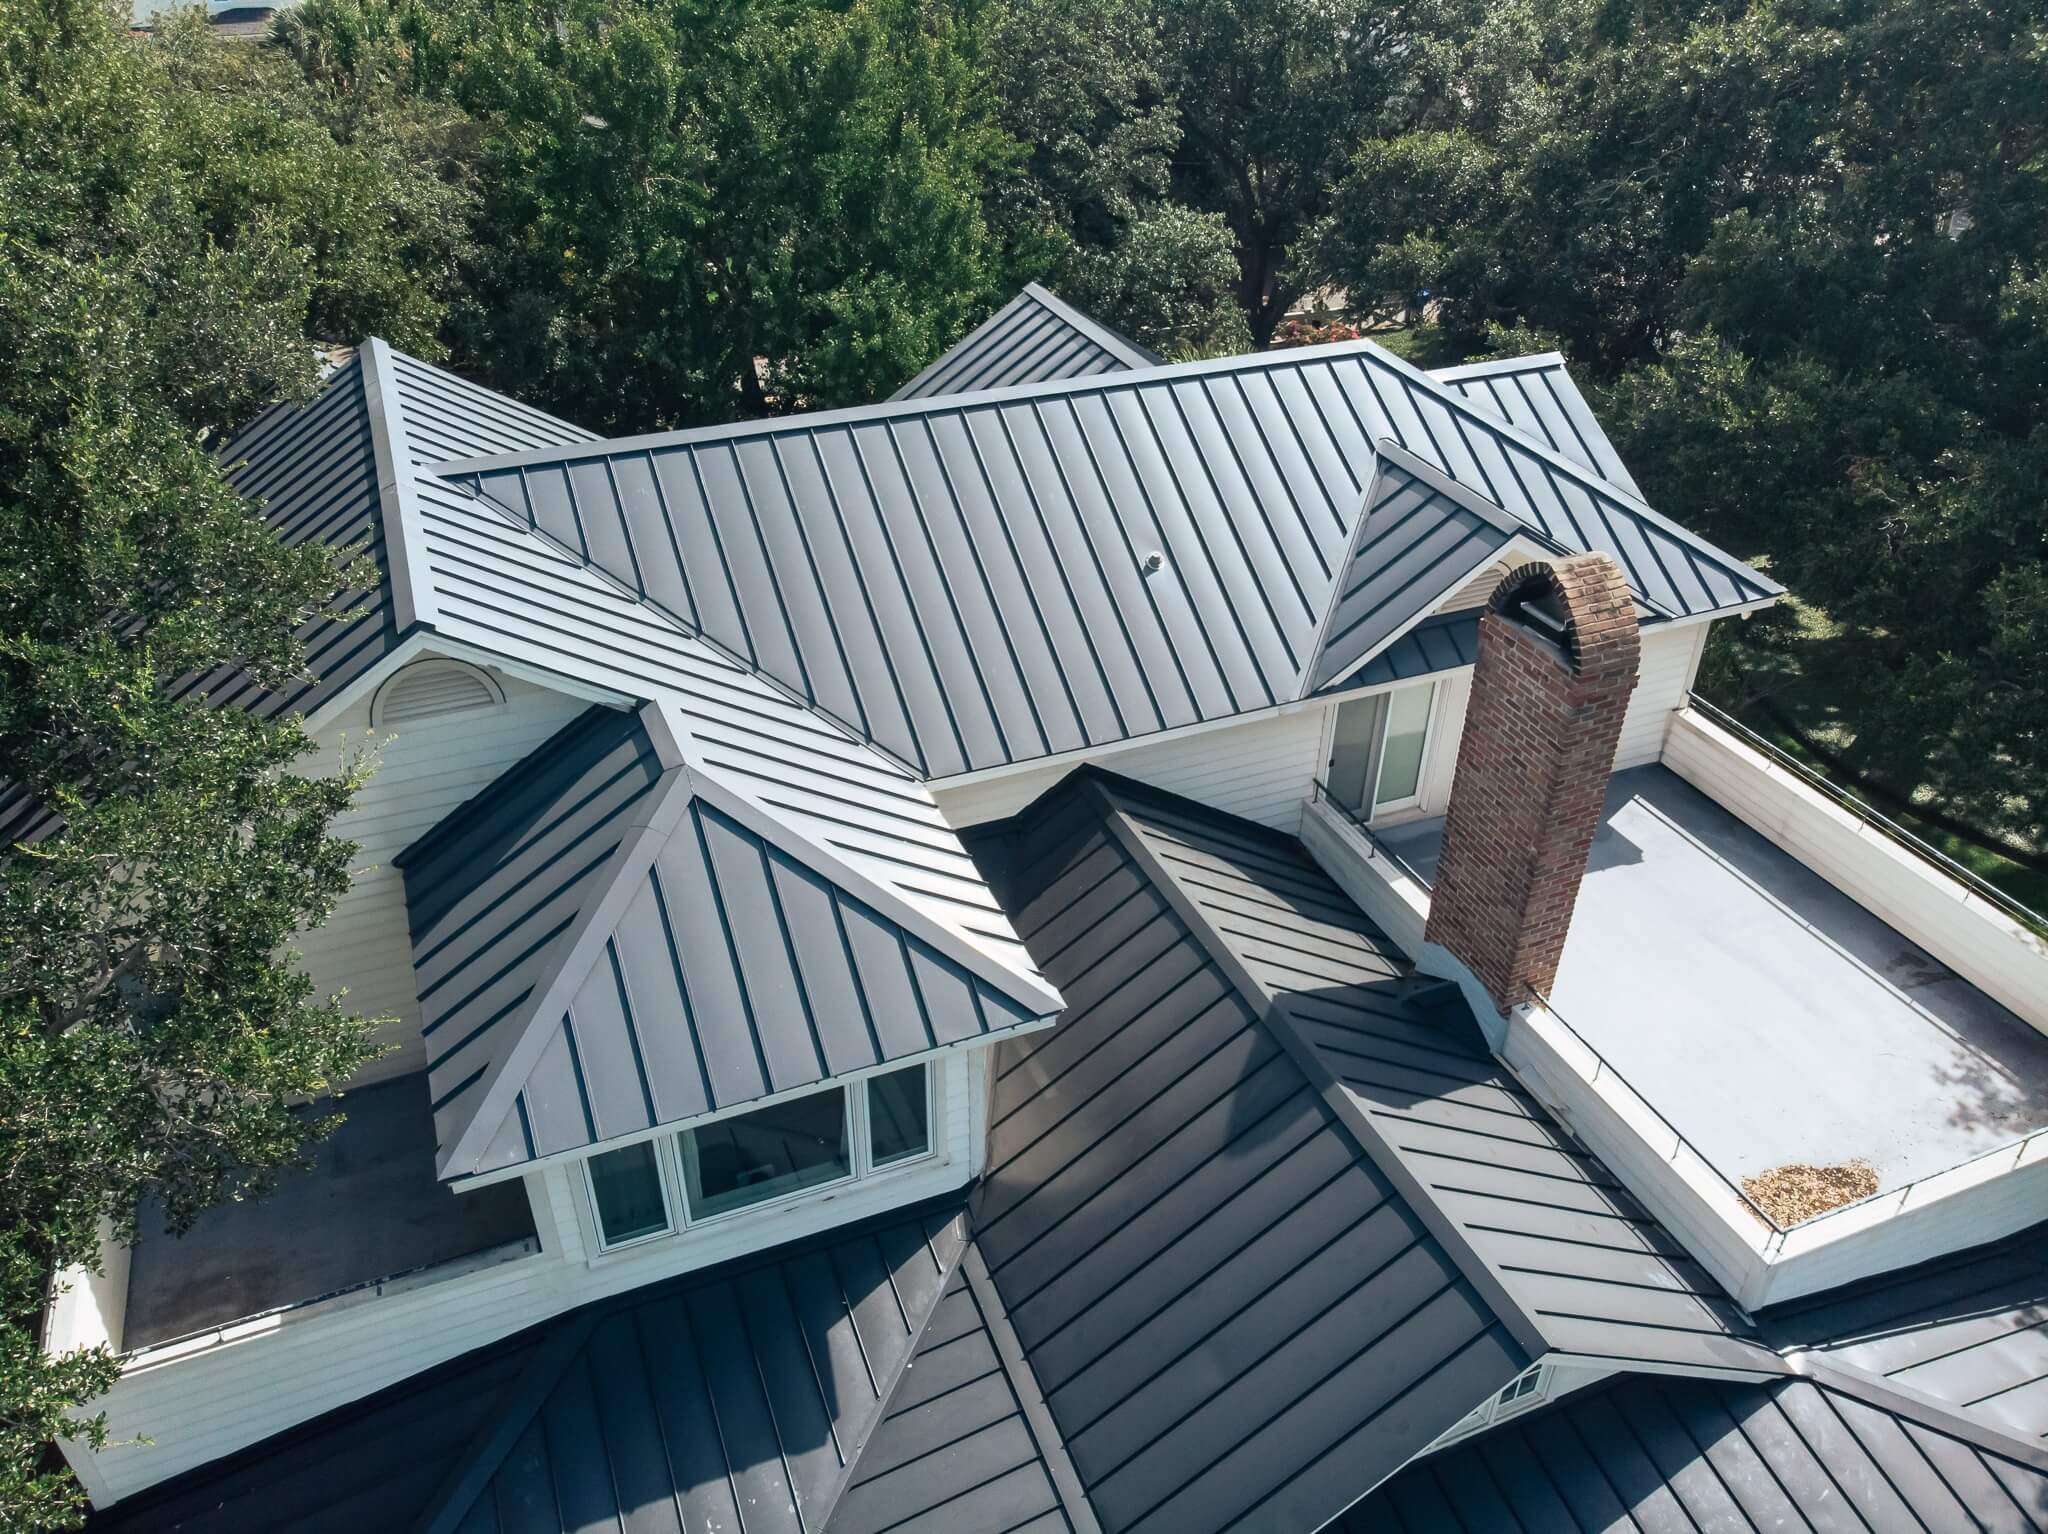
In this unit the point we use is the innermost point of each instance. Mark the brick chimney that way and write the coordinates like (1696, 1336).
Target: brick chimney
(1557, 661)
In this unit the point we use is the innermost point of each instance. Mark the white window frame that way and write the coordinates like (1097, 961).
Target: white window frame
(1378, 806)
(931, 1122)
(671, 1201)
(668, 1158)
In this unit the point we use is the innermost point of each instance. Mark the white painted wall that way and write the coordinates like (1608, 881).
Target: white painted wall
(1262, 770)
(1670, 661)
(208, 1399)
(425, 768)
(1972, 937)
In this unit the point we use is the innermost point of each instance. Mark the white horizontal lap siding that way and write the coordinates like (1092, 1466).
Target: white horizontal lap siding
(425, 768)
(1670, 658)
(1262, 770)
(208, 1404)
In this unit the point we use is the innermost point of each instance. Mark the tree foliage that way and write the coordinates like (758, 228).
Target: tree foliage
(176, 221)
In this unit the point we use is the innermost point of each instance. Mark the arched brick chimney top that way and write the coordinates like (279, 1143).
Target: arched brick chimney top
(1558, 653)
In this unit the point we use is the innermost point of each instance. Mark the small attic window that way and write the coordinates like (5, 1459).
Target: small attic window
(428, 687)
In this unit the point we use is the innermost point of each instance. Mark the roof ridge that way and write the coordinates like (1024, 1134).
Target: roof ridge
(412, 595)
(1917, 1405)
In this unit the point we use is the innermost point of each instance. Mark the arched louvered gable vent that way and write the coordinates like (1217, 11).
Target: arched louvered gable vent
(428, 687)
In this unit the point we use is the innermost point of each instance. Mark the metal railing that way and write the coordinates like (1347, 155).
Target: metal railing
(1876, 819)
(1602, 1066)
(1374, 846)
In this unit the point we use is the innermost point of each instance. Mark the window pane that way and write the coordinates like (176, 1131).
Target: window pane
(1351, 750)
(1407, 731)
(766, 1154)
(626, 1185)
(898, 1124)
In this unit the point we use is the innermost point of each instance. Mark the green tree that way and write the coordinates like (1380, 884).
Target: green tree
(173, 224)
(1274, 97)
(1089, 208)
(694, 210)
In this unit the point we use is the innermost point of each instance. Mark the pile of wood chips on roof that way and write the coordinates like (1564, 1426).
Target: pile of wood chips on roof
(1789, 1194)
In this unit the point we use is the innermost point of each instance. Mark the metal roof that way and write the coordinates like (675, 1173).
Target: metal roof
(1237, 1320)
(963, 581)
(1537, 394)
(1447, 642)
(1653, 1453)
(1420, 536)
(444, 416)
(740, 1397)
(1553, 1239)
(1970, 1329)
(511, 593)
(607, 941)
(1035, 337)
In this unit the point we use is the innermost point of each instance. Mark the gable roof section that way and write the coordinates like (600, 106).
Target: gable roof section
(1655, 1453)
(1547, 1232)
(1034, 338)
(1420, 535)
(606, 943)
(961, 581)
(1969, 1329)
(1445, 642)
(1537, 394)
(1237, 1321)
(444, 416)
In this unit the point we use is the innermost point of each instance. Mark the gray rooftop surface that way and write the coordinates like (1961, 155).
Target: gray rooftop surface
(1648, 1455)
(370, 1208)
(1767, 1016)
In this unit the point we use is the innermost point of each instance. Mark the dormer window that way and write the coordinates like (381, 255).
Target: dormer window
(800, 1145)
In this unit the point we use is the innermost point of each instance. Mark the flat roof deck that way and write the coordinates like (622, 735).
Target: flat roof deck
(369, 1208)
(1767, 1016)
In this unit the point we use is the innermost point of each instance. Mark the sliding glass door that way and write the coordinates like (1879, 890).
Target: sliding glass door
(1378, 747)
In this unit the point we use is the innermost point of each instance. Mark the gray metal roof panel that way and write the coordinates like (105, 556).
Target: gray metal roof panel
(1653, 1452)
(1567, 1246)
(1447, 642)
(1537, 394)
(514, 594)
(605, 944)
(1418, 537)
(1970, 1328)
(961, 580)
(1035, 337)
(1236, 1320)
(737, 1397)
(445, 416)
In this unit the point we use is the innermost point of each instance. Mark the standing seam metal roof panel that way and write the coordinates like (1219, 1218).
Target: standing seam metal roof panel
(1236, 1320)
(961, 580)
(1537, 394)
(742, 1396)
(1413, 543)
(1655, 1453)
(1033, 338)
(1970, 1329)
(604, 946)
(445, 416)
(510, 592)
(1558, 1234)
